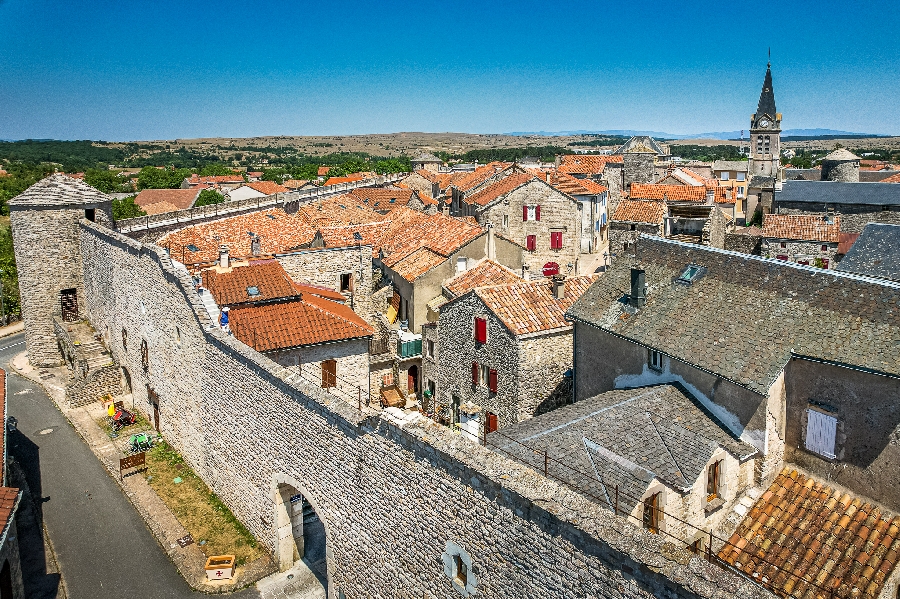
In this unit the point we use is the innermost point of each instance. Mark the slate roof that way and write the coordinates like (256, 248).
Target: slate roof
(641, 144)
(426, 157)
(295, 322)
(640, 211)
(181, 199)
(821, 539)
(59, 190)
(802, 227)
(626, 438)
(792, 310)
(484, 275)
(767, 96)
(839, 192)
(731, 165)
(529, 306)
(876, 253)
(231, 288)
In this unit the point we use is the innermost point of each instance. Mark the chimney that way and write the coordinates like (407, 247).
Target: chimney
(710, 195)
(255, 244)
(224, 261)
(638, 287)
(525, 271)
(491, 250)
(559, 286)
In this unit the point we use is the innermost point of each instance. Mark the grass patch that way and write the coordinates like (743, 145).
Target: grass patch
(197, 508)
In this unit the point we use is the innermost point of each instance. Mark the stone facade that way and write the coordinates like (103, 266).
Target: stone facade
(352, 368)
(324, 267)
(810, 253)
(559, 213)
(391, 497)
(854, 217)
(840, 170)
(638, 168)
(745, 243)
(624, 234)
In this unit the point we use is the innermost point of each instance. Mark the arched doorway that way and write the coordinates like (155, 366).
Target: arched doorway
(412, 383)
(300, 538)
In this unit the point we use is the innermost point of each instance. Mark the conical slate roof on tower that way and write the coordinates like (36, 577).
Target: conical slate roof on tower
(767, 96)
(59, 190)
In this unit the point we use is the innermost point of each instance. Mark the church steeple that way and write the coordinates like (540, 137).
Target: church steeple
(767, 96)
(765, 133)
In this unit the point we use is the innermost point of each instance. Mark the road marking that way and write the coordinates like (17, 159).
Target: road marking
(13, 345)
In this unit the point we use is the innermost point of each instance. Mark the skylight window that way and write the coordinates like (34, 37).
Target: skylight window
(191, 247)
(691, 273)
(253, 291)
(272, 216)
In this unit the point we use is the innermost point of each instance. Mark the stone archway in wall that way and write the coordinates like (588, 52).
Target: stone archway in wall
(301, 539)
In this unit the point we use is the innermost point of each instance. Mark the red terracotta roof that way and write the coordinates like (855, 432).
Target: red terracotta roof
(323, 170)
(804, 227)
(467, 181)
(347, 179)
(529, 307)
(386, 198)
(267, 187)
(336, 211)
(570, 185)
(295, 183)
(640, 211)
(278, 232)
(9, 497)
(821, 539)
(254, 174)
(231, 288)
(846, 242)
(891, 179)
(295, 322)
(346, 235)
(498, 189)
(324, 292)
(677, 193)
(196, 179)
(159, 208)
(486, 274)
(182, 199)
(579, 164)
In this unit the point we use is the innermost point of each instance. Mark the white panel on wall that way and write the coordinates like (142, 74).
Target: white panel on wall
(820, 433)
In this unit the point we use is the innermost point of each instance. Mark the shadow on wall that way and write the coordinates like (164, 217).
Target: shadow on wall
(561, 395)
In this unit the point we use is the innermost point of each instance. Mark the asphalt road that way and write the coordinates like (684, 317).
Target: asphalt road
(103, 548)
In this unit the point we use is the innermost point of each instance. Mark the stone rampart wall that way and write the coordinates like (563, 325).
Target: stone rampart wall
(106, 380)
(393, 496)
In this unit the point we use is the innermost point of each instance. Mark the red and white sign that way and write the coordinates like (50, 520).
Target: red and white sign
(550, 269)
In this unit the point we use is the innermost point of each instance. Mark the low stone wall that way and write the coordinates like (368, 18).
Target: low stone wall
(744, 243)
(98, 383)
(397, 498)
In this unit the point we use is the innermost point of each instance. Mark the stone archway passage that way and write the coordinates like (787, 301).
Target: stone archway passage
(300, 537)
(289, 526)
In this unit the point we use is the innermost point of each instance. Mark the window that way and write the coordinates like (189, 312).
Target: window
(651, 513)
(821, 430)
(485, 375)
(492, 380)
(505, 221)
(481, 330)
(490, 422)
(741, 176)
(556, 242)
(68, 300)
(90, 214)
(429, 348)
(654, 360)
(462, 571)
(530, 242)
(690, 273)
(712, 480)
(724, 176)
(531, 213)
(329, 373)
(824, 262)
(783, 245)
(347, 282)
(476, 373)
(461, 264)
(824, 248)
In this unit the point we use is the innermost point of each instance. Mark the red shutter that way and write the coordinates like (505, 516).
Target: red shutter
(481, 330)
(492, 381)
(530, 243)
(556, 240)
(524, 212)
(491, 422)
(537, 213)
(474, 373)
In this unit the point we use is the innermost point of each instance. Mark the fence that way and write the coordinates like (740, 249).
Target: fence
(767, 574)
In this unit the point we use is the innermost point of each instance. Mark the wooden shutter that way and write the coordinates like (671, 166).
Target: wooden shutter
(491, 421)
(821, 430)
(537, 213)
(329, 373)
(481, 330)
(492, 380)
(475, 373)
(524, 212)
(556, 240)
(530, 243)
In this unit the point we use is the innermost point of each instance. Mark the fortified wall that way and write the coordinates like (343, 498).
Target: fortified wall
(399, 499)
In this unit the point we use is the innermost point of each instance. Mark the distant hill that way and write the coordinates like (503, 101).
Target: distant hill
(794, 133)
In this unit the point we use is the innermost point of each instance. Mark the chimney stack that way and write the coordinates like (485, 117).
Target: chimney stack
(559, 286)
(638, 287)
(224, 261)
(491, 250)
(255, 245)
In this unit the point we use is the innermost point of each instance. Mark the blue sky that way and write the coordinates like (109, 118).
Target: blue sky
(160, 70)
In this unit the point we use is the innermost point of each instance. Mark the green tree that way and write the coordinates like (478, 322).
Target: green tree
(278, 175)
(209, 196)
(151, 177)
(392, 165)
(9, 276)
(215, 170)
(106, 181)
(126, 208)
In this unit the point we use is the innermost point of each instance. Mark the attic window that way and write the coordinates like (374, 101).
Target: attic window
(253, 291)
(272, 216)
(691, 273)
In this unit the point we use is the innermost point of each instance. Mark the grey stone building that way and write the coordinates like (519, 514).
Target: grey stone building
(631, 218)
(858, 204)
(44, 221)
(794, 360)
(876, 253)
(765, 172)
(503, 353)
(806, 239)
(841, 165)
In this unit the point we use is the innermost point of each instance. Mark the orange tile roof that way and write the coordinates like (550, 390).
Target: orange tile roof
(324, 292)
(159, 208)
(196, 179)
(486, 274)
(466, 181)
(343, 236)
(295, 183)
(804, 227)
(891, 179)
(336, 211)
(570, 185)
(417, 263)
(382, 198)
(529, 307)
(640, 211)
(821, 539)
(677, 193)
(254, 174)
(580, 164)
(498, 189)
(9, 497)
(347, 179)
(278, 232)
(267, 187)
(230, 288)
(323, 170)
(180, 198)
(295, 322)
(846, 242)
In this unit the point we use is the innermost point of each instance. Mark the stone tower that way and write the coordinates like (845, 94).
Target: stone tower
(46, 237)
(841, 165)
(765, 133)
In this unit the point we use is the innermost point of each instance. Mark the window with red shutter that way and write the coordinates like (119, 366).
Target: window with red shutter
(491, 421)
(524, 212)
(556, 240)
(492, 381)
(537, 213)
(530, 242)
(481, 330)
(475, 372)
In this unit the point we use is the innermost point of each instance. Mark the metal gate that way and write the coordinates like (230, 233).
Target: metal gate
(68, 299)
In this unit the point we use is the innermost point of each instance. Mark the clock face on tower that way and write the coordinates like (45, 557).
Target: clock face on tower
(764, 123)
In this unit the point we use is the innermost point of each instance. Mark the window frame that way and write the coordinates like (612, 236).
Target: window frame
(460, 571)
(462, 260)
(713, 481)
(655, 360)
(348, 288)
(480, 330)
(650, 515)
(329, 375)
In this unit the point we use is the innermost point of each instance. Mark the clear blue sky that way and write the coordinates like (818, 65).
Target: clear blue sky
(137, 69)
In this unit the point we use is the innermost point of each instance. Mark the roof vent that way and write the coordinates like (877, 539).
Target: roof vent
(255, 245)
(253, 291)
(638, 287)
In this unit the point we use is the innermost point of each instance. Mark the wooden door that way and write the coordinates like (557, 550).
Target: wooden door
(154, 401)
(68, 299)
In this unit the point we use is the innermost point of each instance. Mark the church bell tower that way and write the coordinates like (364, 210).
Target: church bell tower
(765, 133)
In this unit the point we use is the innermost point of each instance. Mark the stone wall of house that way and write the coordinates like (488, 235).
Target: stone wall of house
(797, 251)
(352, 368)
(718, 224)
(544, 360)
(622, 234)
(430, 360)
(324, 267)
(853, 216)
(106, 380)
(559, 212)
(396, 499)
(418, 183)
(867, 409)
(639, 168)
(745, 244)
(836, 170)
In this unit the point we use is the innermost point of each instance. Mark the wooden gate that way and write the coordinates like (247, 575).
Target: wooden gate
(68, 299)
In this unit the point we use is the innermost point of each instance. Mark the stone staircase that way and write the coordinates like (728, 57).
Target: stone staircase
(94, 371)
(209, 303)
